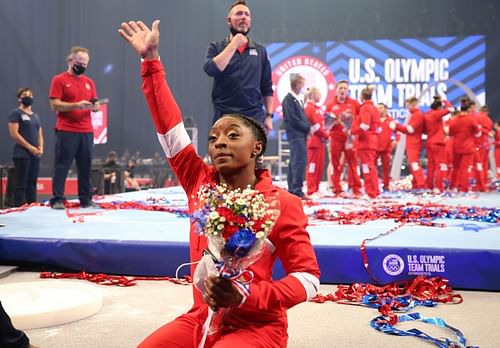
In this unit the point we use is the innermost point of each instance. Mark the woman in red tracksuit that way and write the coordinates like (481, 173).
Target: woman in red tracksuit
(342, 145)
(316, 141)
(235, 143)
(464, 129)
(367, 127)
(448, 150)
(482, 150)
(497, 147)
(437, 169)
(385, 145)
(413, 131)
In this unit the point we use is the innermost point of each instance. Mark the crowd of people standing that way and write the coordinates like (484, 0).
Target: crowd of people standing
(453, 142)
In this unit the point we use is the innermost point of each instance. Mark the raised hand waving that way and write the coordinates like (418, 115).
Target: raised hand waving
(141, 38)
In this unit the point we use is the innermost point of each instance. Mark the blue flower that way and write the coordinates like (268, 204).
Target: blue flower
(240, 243)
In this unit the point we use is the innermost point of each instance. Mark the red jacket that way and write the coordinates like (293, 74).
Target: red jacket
(384, 139)
(434, 126)
(414, 129)
(497, 139)
(315, 117)
(486, 126)
(346, 111)
(367, 126)
(288, 241)
(464, 129)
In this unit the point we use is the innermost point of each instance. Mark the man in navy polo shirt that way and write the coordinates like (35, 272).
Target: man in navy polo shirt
(241, 71)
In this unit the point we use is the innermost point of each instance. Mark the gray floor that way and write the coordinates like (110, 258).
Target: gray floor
(130, 314)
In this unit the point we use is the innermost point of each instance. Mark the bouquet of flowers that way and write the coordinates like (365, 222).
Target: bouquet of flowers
(330, 120)
(346, 119)
(236, 224)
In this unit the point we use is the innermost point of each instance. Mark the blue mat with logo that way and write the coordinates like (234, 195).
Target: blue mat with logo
(142, 242)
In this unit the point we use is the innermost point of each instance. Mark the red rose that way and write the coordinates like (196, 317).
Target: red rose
(229, 230)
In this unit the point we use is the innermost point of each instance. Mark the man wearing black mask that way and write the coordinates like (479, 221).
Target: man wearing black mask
(241, 71)
(71, 96)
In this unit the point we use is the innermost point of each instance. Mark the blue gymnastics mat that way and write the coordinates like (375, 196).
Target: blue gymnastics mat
(155, 243)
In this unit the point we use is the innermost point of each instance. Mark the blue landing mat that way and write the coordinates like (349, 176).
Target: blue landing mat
(137, 242)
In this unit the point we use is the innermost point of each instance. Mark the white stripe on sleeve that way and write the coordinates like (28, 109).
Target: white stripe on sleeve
(364, 126)
(315, 127)
(174, 141)
(309, 282)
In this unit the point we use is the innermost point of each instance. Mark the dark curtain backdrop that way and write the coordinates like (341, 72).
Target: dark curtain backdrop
(35, 37)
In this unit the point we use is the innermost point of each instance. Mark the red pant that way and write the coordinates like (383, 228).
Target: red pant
(315, 166)
(413, 155)
(353, 180)
(437, 169)
(480, 169)
(336, 150)
(448, 152)
(461, 165)
(369, 170)
(185, 332)
(497, 161)
(385, 157)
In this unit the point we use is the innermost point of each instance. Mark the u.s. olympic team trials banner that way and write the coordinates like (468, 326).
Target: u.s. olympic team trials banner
(449, 66)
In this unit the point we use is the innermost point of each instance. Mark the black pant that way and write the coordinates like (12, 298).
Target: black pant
(26, 177)
(9, 336)
(297, 166)
(69, 146)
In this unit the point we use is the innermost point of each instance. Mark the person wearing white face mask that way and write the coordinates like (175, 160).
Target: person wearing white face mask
(25, 128)
(297, 128)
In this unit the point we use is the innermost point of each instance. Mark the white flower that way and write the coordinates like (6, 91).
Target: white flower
(259, 235)
(214, 215)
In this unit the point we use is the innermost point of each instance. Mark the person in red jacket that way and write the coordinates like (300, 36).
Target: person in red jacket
(367, 127)
(481, 166)
(497, 148)
(344, 109)
(413, 130)
(437, 169)
(385, 144)
(448, 150)
(316, 142)
(235, 144)
(464, 128)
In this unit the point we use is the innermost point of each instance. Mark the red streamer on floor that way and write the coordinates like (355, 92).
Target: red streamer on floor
(117, 280)
(21, 208)
(364, 255)
(421, 288)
